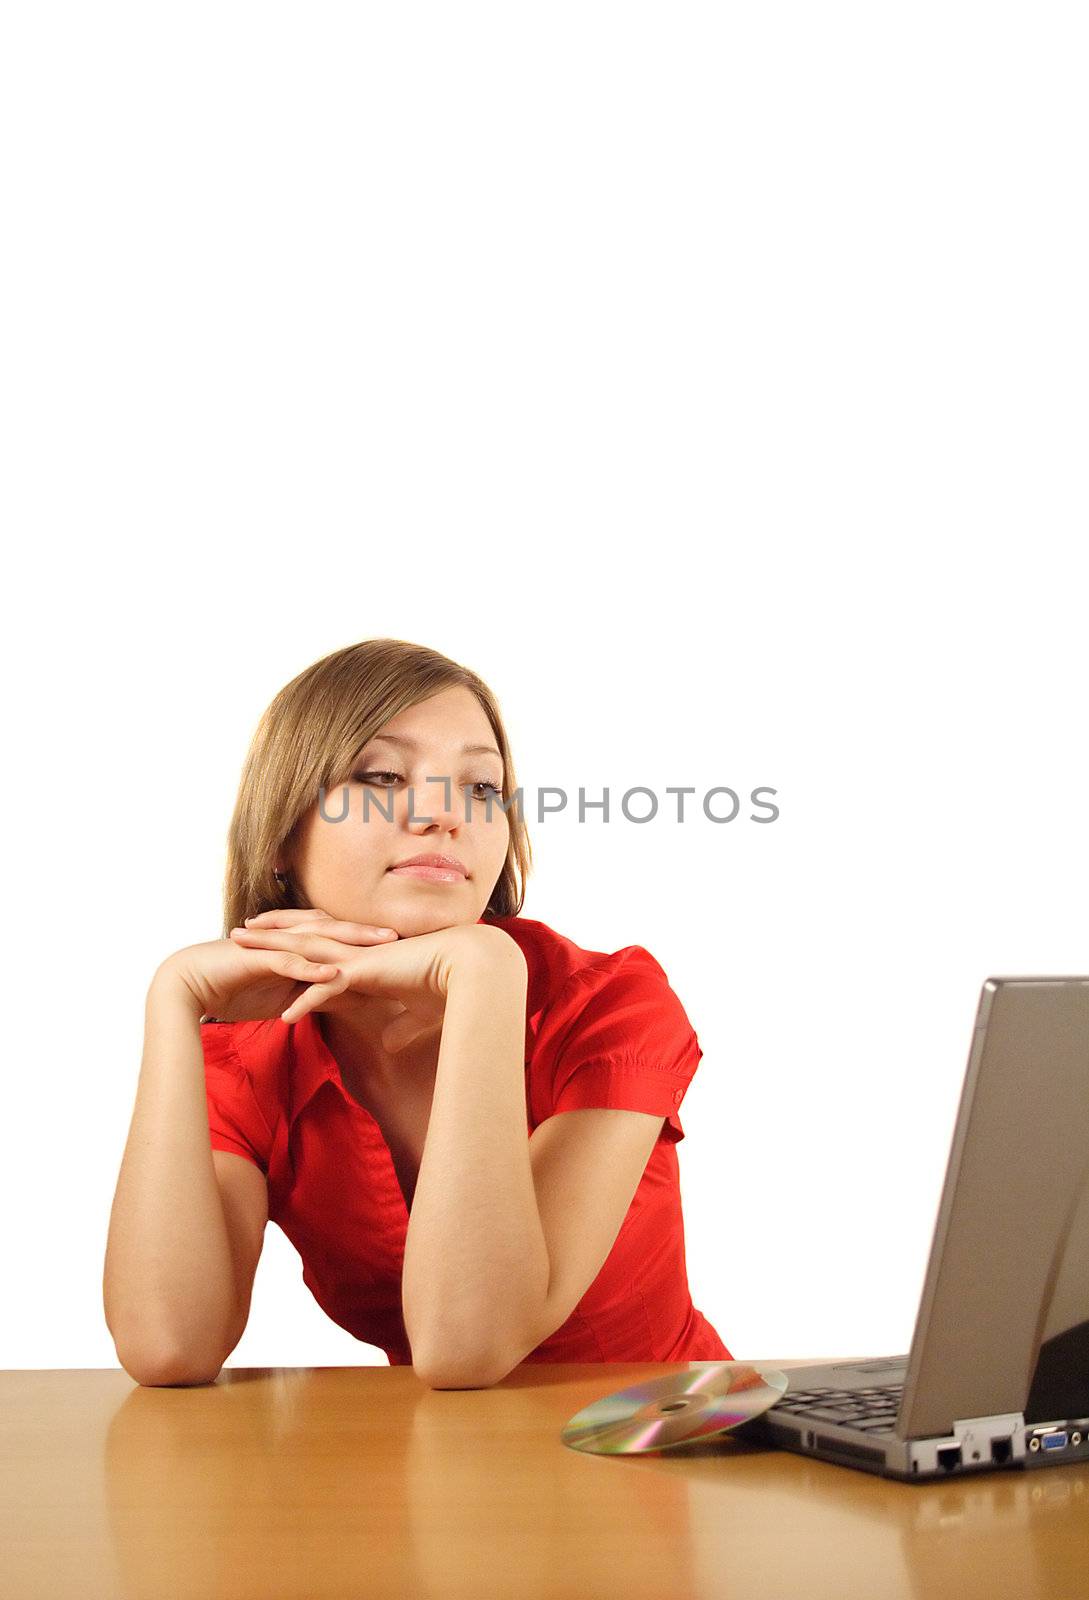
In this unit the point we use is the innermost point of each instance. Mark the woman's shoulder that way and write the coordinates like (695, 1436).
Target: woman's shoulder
(563, 973)
(604, 1028)
(259, 1052)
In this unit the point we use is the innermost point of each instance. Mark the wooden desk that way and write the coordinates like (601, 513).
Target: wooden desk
(362, 1482)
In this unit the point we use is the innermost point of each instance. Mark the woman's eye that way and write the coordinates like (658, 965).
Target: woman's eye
(367, 777)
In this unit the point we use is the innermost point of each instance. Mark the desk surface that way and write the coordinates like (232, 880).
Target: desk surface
(362, 1482)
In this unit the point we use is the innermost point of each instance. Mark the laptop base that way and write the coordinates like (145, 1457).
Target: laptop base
(976, 1444)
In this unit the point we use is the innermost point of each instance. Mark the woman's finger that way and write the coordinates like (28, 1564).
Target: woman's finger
(296, 966)
(352, 932)
(311, 997)
(314, 945)
(319, 946)
(288, 916)
(346, 932)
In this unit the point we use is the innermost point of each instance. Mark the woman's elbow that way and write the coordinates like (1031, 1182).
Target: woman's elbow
(168, 1371)
(444, 1373)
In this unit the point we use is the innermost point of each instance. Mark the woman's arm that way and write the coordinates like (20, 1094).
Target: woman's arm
(476, 1265)
(169, 1291)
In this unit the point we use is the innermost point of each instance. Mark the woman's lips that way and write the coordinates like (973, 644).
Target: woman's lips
(431, 874)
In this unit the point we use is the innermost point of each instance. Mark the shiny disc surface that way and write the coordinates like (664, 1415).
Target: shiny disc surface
(679, 1409)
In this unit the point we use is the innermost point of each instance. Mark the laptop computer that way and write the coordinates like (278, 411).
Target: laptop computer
(998, 1371)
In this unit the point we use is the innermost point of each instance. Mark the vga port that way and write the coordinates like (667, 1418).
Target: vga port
(1056, 1439)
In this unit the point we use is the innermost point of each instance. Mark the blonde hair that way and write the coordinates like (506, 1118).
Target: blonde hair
(309, 736)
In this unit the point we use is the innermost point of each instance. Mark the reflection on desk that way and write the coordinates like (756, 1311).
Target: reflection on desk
(363, 1481)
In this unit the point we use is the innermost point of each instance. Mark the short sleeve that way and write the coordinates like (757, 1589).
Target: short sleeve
(235, 1122)
(625, 1041)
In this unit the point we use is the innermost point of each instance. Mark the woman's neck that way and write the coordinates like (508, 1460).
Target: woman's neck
(355, 1040)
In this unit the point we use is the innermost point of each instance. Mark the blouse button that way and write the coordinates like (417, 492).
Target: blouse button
(678, 1096)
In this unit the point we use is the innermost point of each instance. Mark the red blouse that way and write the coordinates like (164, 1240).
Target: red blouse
(601, 1030)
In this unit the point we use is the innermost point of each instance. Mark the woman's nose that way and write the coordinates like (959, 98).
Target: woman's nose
(436, 801)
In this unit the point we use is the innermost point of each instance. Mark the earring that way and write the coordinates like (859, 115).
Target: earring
(281, 877)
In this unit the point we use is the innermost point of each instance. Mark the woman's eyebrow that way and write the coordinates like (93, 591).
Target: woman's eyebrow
(413, 744)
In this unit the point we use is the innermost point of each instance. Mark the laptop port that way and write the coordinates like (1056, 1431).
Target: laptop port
(949, 1456)
(1001, 1451)
(1054, 1441)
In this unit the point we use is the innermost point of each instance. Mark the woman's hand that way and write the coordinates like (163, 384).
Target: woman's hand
(416, 971)
(234, 984)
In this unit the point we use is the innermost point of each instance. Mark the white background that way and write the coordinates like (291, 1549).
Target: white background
(712, 380)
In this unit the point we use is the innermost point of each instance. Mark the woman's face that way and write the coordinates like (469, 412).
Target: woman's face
(345, 868)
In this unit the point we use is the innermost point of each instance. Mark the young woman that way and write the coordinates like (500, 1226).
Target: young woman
(382, 1056)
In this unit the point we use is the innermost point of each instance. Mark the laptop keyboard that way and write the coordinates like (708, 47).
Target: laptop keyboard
(872, 1410)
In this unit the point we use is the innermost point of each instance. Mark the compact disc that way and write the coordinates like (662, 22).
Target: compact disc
(677, 1409)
